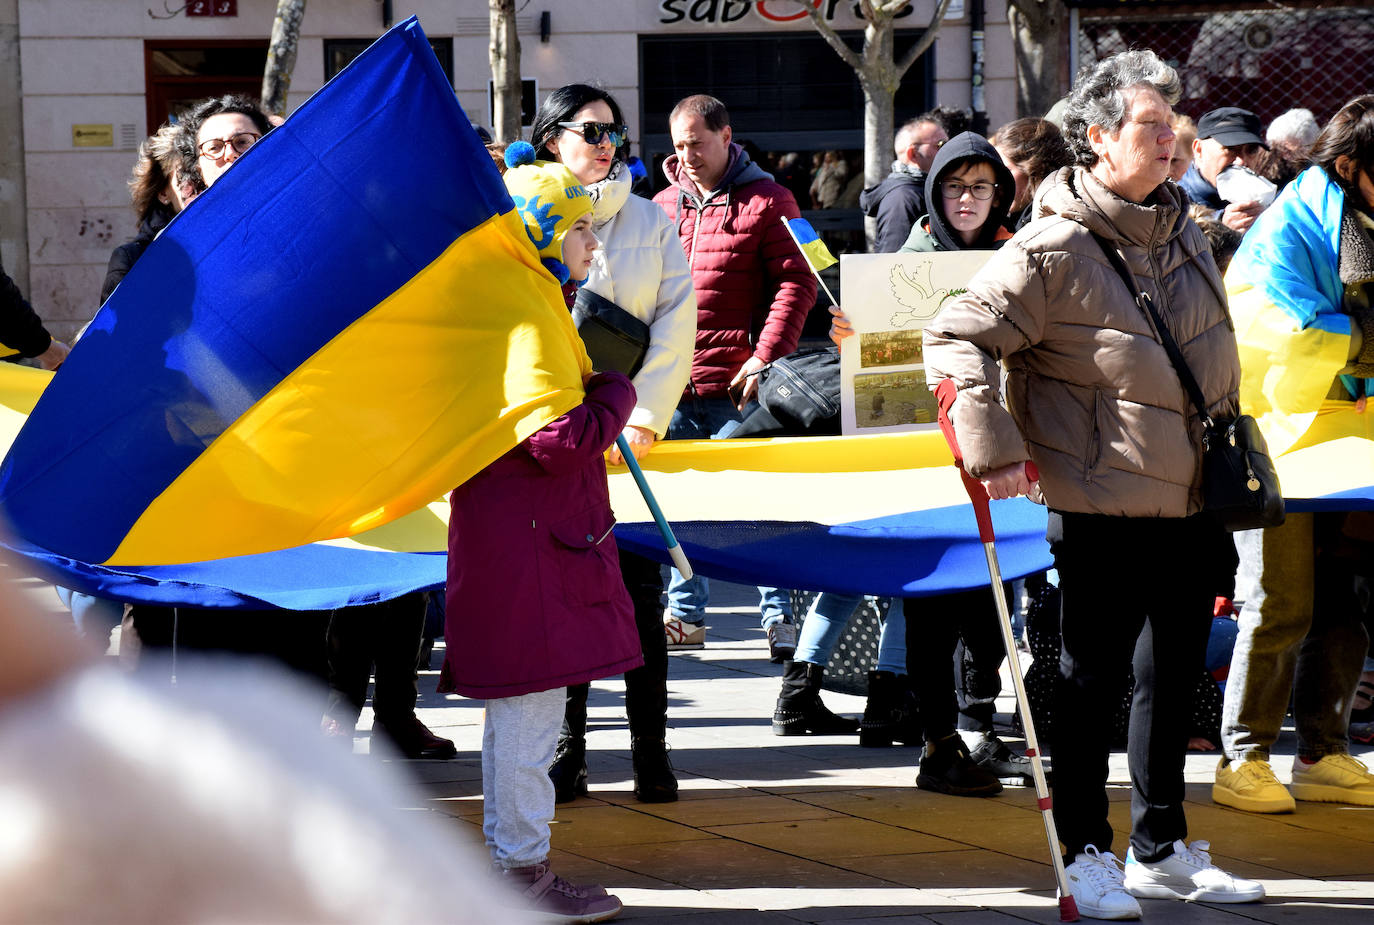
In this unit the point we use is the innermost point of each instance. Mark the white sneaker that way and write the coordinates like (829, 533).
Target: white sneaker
(1188, 874)
(1095, 885)
(683, 635)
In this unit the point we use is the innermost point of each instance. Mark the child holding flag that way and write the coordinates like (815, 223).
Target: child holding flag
(535, 597)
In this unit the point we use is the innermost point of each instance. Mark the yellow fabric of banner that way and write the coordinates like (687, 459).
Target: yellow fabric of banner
(470, 357)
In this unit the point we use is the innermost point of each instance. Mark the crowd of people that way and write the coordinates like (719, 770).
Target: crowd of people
(1257, 247)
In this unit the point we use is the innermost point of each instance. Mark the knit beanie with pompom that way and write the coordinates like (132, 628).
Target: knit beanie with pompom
(549, 199)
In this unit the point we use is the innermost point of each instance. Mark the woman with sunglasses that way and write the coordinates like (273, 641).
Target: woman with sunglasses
(969, 191)
(641, 268)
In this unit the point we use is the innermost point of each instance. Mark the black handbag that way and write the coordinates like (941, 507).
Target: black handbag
(615, 339)
(802, 390)
(1239, 485)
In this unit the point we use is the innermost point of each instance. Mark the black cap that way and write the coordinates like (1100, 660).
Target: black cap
(1231, 126)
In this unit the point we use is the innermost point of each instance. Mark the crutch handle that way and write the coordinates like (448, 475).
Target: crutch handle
(945, 393)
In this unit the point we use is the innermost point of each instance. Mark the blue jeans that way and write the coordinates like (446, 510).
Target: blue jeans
(94, 616)
(713, 419)
(826, 620)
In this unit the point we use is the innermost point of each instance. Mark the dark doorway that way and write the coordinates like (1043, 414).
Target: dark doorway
(181, 72)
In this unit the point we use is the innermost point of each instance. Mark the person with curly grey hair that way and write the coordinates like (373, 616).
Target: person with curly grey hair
(1094, 402)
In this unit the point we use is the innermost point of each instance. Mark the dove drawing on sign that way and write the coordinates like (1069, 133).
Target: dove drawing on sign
(912, 287)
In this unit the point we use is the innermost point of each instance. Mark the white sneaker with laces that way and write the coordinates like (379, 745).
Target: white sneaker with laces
(1188, 874)
(1095, 884)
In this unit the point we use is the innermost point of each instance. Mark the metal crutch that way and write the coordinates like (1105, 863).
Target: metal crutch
(945, 394)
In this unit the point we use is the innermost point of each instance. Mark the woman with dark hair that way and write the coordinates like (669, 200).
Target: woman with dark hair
(641, 268)
(1301, 288)
(224, 128)
(1093, 399)
(166, 178)
(1032, 149)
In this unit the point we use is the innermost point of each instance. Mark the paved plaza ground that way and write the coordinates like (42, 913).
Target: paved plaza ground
(785, 830)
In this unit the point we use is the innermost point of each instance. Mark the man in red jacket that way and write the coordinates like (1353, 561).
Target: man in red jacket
(753, 293)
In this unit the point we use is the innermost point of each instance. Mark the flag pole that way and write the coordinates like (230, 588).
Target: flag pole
(809, 265)
(669, 539)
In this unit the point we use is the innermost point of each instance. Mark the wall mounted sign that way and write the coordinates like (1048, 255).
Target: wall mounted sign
(92, 136)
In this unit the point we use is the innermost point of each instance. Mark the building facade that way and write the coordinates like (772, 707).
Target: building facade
(82, 82)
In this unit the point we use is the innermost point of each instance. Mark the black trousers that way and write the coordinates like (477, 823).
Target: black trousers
(385, 635)
(934, 626)
(646, 687)
(1135, 591)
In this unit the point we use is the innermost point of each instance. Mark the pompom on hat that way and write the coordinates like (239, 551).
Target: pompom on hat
(549, 199)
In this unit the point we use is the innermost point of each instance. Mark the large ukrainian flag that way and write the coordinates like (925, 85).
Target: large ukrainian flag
(348, 324)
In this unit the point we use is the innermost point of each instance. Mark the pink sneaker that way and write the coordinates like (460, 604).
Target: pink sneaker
(561, 901)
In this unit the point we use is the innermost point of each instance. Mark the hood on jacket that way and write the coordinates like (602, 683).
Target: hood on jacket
(902, 175)
(611, 193)
(1074, 193)
(957, 152)
(739, 170)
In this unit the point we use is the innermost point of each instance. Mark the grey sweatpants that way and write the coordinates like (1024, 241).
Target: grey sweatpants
(1298, 624)
(518, 740)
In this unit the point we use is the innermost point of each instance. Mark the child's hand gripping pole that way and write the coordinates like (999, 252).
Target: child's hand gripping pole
(669, 540)
(945, 394)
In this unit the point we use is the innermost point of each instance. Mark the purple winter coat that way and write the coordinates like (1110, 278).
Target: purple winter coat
(535, 598)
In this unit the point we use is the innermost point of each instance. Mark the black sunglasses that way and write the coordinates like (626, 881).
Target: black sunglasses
(593, 132)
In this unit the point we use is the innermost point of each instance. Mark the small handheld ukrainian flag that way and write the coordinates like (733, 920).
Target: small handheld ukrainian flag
(817, 255)
(814, 251)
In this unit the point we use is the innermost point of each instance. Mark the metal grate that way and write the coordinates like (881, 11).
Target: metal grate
(1267, 60)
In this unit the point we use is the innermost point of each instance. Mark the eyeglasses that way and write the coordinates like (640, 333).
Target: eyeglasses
(241, 142)
(938, 143)
(593, 132)
(953, 189)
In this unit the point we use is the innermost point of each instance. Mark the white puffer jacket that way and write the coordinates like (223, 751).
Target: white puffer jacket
(640, 267)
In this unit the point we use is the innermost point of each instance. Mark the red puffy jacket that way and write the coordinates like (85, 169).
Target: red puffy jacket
(753, 286)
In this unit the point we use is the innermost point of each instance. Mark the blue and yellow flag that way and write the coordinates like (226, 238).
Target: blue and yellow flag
(817, 255)
(351, 322)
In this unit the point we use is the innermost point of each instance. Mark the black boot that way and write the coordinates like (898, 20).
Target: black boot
(799, 711)
(569, 769)
(889, 714)
(654, 778)
(646, 687)
(947, 768)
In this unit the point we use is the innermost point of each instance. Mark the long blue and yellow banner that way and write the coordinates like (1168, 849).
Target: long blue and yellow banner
(882, 514)
(345, 326)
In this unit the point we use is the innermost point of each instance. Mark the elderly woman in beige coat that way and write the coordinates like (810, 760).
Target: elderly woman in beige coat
(1094, 402)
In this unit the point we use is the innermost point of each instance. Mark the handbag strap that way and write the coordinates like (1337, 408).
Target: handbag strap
(1166, 338)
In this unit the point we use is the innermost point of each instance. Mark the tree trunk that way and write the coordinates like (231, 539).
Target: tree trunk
(879, 75)
(504, 53)
(1039, 41)
(281, 55)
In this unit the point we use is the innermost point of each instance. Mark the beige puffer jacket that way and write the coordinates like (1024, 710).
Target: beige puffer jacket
(1093, 398)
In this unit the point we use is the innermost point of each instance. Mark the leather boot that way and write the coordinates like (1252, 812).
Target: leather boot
(654, 778)
(800, 711)
(947, 768)
(889, 714)
(569, 769)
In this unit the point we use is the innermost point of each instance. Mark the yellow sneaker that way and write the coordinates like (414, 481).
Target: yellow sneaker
(1250, 785)
(1333, 779)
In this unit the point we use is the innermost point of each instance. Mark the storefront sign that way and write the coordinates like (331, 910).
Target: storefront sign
(725, 12)
(92, 136)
